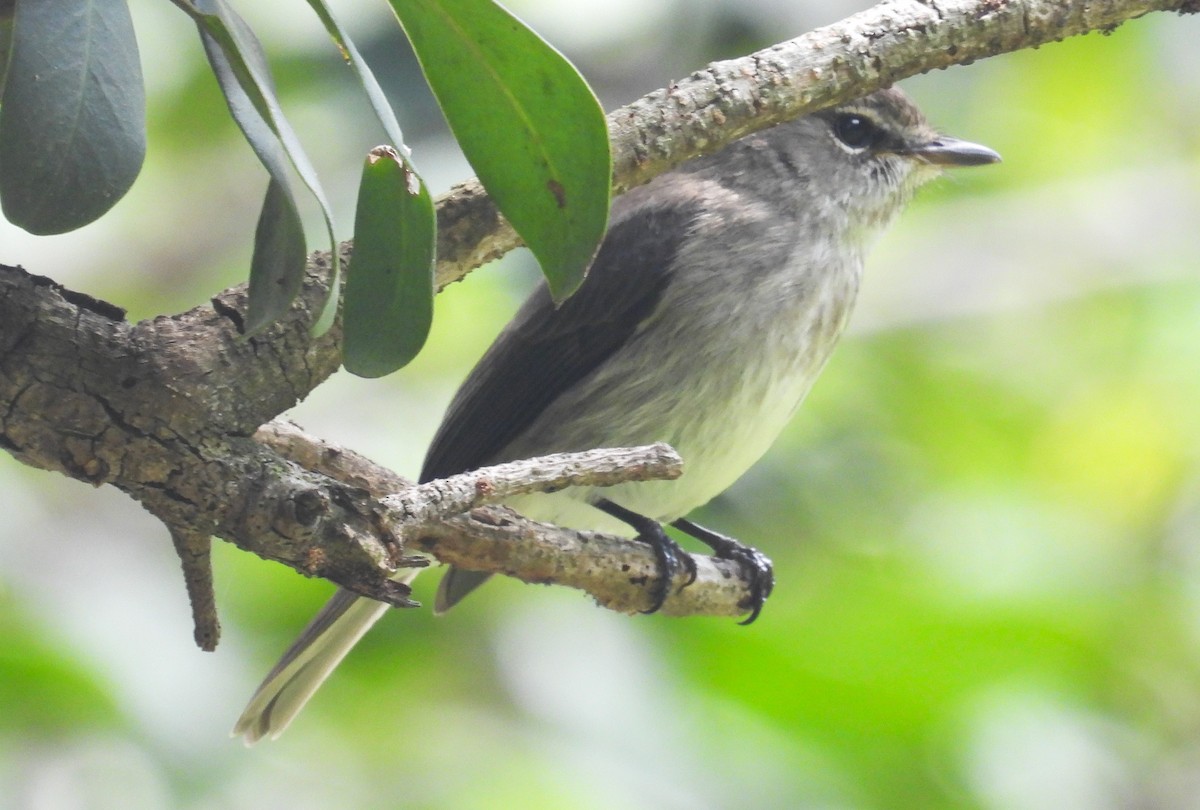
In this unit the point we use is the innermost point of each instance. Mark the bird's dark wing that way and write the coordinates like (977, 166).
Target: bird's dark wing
(546, 350)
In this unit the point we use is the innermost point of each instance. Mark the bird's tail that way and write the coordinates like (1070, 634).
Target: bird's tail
(307, 663)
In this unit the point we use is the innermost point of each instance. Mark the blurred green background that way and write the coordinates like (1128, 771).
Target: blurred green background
(985, 520)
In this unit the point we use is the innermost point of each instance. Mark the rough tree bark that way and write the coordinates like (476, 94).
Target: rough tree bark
(178, 411)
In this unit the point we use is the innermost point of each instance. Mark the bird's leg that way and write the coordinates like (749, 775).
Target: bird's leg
(670, 556)
(756, 566)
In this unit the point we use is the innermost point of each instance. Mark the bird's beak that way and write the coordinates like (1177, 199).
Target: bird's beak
(953, 152)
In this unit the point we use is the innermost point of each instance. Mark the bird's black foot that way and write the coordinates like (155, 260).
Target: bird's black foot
(671, 558)
(755, 565)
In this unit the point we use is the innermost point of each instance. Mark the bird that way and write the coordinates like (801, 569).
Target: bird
(713, 303)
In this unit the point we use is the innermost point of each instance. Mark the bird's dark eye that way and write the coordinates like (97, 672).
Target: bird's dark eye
(856, 131)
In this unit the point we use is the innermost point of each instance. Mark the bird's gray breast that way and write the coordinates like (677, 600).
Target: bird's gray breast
(754, 305)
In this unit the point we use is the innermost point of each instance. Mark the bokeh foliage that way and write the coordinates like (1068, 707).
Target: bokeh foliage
(985, 519)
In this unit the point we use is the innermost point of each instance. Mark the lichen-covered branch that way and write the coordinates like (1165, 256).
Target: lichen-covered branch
(613, 570)
(166, 411)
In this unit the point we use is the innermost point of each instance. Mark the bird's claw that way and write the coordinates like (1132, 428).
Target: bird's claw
(759, 572)
(671, 557)
(756, 567)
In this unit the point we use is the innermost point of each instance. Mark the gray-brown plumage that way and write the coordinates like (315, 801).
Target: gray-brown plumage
(714, 301)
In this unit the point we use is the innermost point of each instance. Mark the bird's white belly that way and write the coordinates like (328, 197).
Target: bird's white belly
(716, 451)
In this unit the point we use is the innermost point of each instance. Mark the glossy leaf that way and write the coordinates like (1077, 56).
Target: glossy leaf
(72, 118)
(527, 122)
(383, 112)
(244, 75)
(389, 288)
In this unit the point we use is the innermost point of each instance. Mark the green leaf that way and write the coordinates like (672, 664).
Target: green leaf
(387, 119)
(242, 71)
(527, 122)
(278, 250)
(73, 114)
(379, 103)
(389, 287)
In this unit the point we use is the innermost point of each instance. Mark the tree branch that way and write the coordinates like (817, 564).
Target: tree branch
(613, 570)
(151, 409)
(730, 99)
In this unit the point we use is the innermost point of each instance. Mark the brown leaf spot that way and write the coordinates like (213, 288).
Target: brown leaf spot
(381, 152)
(560, 193)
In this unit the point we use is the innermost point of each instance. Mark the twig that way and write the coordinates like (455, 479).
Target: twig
(194, 550)
(421, 505)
